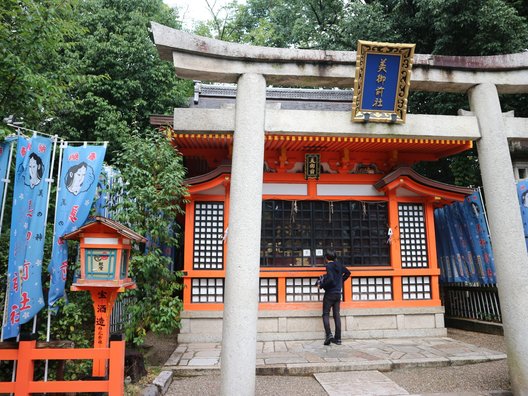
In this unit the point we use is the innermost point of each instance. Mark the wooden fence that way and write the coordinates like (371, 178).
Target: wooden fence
(27, 353)
(119, 318)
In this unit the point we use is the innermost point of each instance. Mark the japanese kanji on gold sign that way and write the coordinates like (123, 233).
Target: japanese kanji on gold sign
(381, 85)
(312, 166)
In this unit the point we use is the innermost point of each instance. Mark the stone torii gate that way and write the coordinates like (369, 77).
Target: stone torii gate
(252, 68)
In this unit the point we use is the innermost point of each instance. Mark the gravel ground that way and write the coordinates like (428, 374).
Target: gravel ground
(472, 377)
(491, 376)
(266, 386)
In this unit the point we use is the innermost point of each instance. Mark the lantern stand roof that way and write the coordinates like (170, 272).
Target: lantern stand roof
(99, 223)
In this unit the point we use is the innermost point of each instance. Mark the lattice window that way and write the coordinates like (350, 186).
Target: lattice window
(416, 287)
(208, 235)
(413, 240)
(371, 288)
(207, 290)
(268, 290)
(303, 289)
(295, 233)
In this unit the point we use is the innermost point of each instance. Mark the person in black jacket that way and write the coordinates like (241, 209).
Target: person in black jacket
(332, 283)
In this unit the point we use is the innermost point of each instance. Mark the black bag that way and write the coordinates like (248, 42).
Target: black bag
(328, 281)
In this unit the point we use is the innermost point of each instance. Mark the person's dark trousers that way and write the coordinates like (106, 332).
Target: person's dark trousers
(332, 300)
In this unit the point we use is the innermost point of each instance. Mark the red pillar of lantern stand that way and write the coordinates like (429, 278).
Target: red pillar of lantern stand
(103, 299)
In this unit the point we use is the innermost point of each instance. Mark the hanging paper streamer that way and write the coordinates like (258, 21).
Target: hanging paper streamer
(28, 222)
(81, 167)
(463, 242)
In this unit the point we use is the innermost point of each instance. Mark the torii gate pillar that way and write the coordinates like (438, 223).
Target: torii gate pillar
(239, 332)
(506, 229)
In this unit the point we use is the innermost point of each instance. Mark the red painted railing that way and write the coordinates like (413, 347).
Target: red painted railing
(27, 353)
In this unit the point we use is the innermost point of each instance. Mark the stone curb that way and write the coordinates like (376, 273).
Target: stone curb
(159, 386)
(303, 369)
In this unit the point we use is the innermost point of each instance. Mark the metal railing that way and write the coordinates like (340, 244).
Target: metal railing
(468, 301)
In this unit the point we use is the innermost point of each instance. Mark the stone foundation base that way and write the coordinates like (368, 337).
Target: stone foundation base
(206, 326)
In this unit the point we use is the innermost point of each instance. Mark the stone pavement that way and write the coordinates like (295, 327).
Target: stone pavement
(362, 383)
(312, 357)
(429, 367)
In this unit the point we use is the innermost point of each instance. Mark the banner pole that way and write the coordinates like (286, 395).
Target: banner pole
(4, 199)
(49, 180)
(4, 318)
(479, 189)
(63, 144)
(6, 181)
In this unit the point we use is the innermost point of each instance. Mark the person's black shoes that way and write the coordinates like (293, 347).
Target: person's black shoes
(328, 339)
(337, 342)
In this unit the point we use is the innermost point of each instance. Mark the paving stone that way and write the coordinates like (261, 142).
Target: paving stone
(358, 383)
(280, 346)
(207, 353)
(268, 347)
(406, 349)
(174, 359)
(312, 357)
(203, 345)
(284, 360)
(203, 362)
(396, 355)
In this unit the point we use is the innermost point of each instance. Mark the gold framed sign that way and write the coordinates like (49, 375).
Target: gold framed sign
(312, 166)
(381, 86)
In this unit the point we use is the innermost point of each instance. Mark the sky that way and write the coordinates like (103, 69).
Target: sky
(196, 9)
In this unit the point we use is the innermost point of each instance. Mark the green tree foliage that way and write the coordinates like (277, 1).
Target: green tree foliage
(131, 81)
(91, 67)
(220, 25)
(35, 72)
(153, 176)
(474, 27)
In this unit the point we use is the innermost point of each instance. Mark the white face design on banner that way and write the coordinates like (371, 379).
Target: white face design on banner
(75, 178)
(35, 171)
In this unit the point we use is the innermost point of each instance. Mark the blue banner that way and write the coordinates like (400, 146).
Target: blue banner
(522, 192)
(28, 222)
(81, 167)
(463, 242)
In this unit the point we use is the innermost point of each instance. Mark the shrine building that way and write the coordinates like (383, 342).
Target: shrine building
(365, 201)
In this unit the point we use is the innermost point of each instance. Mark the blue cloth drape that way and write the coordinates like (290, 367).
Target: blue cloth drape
(463, 242)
